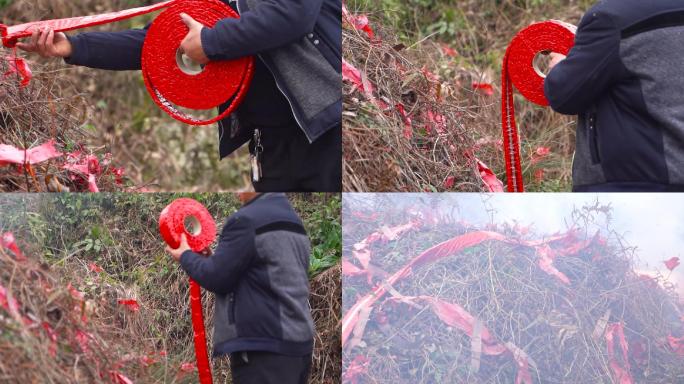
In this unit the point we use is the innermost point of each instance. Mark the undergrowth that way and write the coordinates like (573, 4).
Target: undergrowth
(108, 247)
(460, 42)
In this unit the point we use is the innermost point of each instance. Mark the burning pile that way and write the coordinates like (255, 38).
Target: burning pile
(437, 300)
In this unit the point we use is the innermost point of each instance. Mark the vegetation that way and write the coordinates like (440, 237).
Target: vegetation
(427, 55)
(108, 247)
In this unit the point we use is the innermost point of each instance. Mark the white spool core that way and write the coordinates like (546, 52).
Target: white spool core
(192, 226)
(187, 65)
(541, 63)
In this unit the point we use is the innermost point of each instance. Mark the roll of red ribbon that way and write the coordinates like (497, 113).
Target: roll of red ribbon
(518, 70)
(174, 221)
(178, 216)
(171, 80)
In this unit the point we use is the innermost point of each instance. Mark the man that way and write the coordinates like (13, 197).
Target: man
(259, 274)
(293, 111)
(625, 80)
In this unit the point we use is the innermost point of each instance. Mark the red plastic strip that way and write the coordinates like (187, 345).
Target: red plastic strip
(199, 335)
(485, 88)
(19, 66)
(408, 129)
(546, 256)
(350, 269)
(171, 226)
(488, 177)
(620, 372)
(12, 305)
(672, 263)
(677, 344)
(131, 304)
(359, 22)
(518, 70)
(13, 155)
(10, 35)
(357, 368)
(52, 335)
(219, 82)
(119, 378)
(86, 166)
(361, 251)
(7, 241)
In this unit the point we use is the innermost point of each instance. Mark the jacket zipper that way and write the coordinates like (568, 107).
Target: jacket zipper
(593, 137)
(231, 312)
(280, 89)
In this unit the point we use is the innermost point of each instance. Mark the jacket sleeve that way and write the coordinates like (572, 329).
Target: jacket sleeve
(592, 65)
(270, 24)
(119, 51)
(220, 273)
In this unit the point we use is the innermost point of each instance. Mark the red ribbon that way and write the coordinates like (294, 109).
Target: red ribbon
(13, 155)
(7, 241)
(620, 372)
(19, 66)
(171, 226)
(219, 82)
(359, 22)
(518, 70)
(488, 177)
(87, 166)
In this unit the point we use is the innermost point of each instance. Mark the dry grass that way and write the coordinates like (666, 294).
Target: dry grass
(47, 109)
(377, 155)
(326, 304)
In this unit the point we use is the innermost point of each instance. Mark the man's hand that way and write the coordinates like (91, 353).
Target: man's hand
(192, 44)
(177, 253)
(555, 59)
(47, 43)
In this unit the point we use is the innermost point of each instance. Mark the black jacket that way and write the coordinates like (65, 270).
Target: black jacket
(259, 273)
(300, 41)
(625, 80)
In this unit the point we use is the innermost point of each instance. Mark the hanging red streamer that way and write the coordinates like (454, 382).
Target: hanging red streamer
(518, 70)
(172, 223)
(17, 65)
(169, 86)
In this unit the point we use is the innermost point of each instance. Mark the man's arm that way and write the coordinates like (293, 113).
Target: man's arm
(220, 273)
(271, 24)
(119, 51)
(591, 67)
